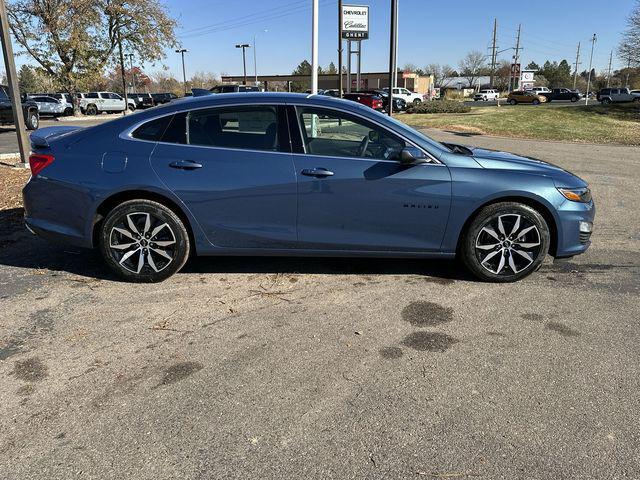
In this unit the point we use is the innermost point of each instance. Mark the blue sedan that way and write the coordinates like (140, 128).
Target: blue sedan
(288, 174)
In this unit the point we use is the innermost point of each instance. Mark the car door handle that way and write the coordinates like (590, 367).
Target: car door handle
(317, 172)
(185, 165)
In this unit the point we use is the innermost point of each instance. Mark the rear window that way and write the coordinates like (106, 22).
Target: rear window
(153, 130)
(92, 95)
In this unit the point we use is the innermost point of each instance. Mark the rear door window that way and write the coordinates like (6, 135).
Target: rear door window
(248, 128)
(154, 130)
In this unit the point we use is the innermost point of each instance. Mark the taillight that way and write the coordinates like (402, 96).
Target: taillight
(38, 161)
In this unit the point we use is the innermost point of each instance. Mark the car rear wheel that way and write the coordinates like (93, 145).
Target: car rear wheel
(417, 101)
(91, 110)
(606, 101)
(512, 101)
(574, 99)
(505, 242)
(144, 241)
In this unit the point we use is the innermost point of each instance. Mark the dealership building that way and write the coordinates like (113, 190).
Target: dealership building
(368, 81)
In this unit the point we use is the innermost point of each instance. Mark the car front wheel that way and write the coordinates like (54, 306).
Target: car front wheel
(144, 241)
(512, 101)
(505, 242)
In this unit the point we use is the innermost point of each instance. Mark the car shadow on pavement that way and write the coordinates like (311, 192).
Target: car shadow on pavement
(19, 248)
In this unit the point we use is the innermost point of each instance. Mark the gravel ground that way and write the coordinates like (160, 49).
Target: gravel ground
(321, 368)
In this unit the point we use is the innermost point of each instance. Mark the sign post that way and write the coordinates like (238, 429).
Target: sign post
(354, 27)
(14, 91)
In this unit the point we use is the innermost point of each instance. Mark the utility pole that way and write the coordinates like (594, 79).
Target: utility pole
(14, 91)
(182, 51)
(124, 79)
(393, 50)
(244, 46)
(628, 70)
(494, 51)
(340, 48)
(575, 74)
(594, 39)
(609, 70)
(314, 48)
(516, 58)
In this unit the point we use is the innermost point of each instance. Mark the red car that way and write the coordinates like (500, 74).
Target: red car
(368, 99)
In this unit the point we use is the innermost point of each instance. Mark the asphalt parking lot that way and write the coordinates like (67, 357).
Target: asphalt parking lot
(314, 368)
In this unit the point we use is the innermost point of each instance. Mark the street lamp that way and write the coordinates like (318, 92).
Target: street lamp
(255, 61)
(182, 51)
(244, 46)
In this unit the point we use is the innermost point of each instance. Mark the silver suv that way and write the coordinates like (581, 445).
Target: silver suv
(617, 95)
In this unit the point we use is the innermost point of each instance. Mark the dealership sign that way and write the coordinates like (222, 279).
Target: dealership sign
(355, 22)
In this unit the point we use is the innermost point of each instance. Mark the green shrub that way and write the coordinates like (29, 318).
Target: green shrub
(440, 106)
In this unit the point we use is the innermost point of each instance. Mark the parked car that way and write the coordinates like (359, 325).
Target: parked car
(29, 110)
(562, 94)
(48, 105)
(234, 88)
(617, 95)
(64, 98)
(161, 98)
(141, 100)
(407, 95)
(370, 100)
(538, 90)
(332, 92)
(486, 95)
(520, 96)
(318, 176)
(93, 103)
(399, 104)
(635, 92)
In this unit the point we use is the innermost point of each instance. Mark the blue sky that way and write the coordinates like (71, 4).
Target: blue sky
(430, 31)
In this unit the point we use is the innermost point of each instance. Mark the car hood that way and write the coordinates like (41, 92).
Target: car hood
(496, 160)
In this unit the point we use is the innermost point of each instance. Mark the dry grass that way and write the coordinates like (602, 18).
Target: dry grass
(618, 124)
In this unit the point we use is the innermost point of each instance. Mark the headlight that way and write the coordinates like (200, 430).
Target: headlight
(582, 195)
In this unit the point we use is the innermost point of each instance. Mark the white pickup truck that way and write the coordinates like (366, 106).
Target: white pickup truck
(93, 103)
(486, 95)
(407, 95)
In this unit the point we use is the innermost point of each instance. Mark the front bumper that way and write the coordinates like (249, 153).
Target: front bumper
(575, 228)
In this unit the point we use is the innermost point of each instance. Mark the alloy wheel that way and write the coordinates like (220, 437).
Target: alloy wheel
(508, 244)
(140, 240)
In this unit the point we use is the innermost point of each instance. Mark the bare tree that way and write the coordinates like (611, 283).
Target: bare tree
(472, 66)
(440, 73)
(629, 47)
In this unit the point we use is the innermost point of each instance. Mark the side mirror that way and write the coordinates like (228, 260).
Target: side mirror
(412, 156)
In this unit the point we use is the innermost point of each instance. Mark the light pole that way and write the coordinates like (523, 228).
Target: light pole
(255, 58)
(593, 44)
(393, 53)
(133, 74)
(314, 48)
(182, 51)
(244, 46)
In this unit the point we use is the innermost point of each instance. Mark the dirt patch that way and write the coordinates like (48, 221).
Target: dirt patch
(429, 342)
(426, 314)
(562, 329)
(30, 370)
(178, 372)
(391, 353)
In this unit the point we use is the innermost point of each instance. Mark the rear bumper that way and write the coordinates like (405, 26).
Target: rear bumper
(55, 233)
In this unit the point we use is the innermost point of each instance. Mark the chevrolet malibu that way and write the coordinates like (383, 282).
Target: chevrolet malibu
(288, 174)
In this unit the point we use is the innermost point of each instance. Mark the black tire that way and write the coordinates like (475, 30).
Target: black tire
(32, 122)
(512, 101)
(636, 100)
(574, 99)
(91, 110)
(536, 102)
(606, 101)
(138, 257)
(477, 237)
(417, 101)
(68, 112)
